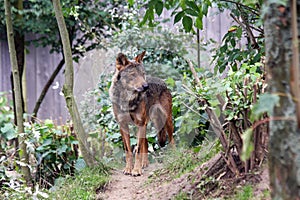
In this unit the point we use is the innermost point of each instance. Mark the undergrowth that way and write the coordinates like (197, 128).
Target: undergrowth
(84, 185)
(181, 160)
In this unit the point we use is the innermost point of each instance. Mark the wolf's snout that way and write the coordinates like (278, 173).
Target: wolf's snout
(139, 89)
(145, 86)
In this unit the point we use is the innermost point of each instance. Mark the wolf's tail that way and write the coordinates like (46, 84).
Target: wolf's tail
(162, 137)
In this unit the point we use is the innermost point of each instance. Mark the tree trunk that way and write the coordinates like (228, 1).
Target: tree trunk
(68, 86)
(17, 92)
(284, 151)
(46, 88)
(19, 47)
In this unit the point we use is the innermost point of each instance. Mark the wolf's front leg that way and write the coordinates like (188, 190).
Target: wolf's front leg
(144, 152)
(126, 141)
(140, 152)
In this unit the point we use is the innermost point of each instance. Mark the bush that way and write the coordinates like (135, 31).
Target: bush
(54, 149)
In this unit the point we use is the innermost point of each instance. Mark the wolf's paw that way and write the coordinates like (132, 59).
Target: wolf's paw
(145, 163)
(127, 171)
(136, 172)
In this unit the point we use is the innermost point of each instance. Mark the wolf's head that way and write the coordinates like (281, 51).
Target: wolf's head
(131, 74)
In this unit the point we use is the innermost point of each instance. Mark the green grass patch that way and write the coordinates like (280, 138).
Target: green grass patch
(245, 193)
(180, 161)
(182, 196)
(83, 185)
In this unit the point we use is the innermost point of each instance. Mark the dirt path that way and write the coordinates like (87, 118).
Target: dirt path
(128, 187)
(124, 187)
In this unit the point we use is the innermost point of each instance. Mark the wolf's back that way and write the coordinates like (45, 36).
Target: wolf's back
(156, 86)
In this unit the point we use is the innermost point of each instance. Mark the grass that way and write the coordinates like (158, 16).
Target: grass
(245, 193)
(179, 161)
(83, 185)
(182, 196)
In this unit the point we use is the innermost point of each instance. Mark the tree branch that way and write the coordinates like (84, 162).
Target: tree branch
(45, 89)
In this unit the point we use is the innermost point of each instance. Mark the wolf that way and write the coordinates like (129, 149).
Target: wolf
(137, 99)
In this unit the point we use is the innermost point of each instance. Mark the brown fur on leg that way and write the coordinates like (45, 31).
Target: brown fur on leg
(126, 141)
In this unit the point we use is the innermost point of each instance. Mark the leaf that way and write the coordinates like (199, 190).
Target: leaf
(266, 103)
(115, 136)
(192, 5)
(247, 145)
(159, 7)
(49, 123)
(204, 9)
(239, 32)
(178, 17)
(199, 23)
(46, 143)
(80, 164)
(182, 4)
(170, 81)
(145, 18)
(191, 12)
(9, 131)
(232, 28)
(187, 23)
(131, 2)
(62, 149)
(133, 141)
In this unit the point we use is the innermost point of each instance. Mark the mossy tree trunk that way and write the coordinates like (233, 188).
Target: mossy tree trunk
(24, 157)
(282, 60)
(69, 84)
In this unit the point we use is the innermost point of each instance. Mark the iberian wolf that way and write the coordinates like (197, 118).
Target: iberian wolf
(137, 99)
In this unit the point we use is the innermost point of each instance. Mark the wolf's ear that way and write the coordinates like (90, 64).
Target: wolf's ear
(139, 58)
(121, 61)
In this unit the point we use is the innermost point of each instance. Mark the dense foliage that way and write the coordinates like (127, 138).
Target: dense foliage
(88, 22)
(53, 151)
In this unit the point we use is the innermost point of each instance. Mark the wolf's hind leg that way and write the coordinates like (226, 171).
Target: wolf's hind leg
(158, 117)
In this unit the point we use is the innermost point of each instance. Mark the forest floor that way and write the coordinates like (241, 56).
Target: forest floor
(156, 183)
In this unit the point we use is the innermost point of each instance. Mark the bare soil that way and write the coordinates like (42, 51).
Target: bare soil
(196, 184)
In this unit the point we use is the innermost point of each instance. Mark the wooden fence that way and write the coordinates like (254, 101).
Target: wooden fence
(40, 64)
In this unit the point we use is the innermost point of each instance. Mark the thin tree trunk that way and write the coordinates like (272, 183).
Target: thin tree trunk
(284, 151)
(17, 92)
(68, 86)
(46, 88)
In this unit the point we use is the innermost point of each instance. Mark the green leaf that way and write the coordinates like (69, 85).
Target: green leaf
(62, 149)
(191, 12)
(49, 123)
(204, 9)
(159, 7)
(115, 136)
(266, 103)
(247, 144)
(131, 2)
(239, 32)
(80, 164)
(199, 23)
(145, 18)
(192, 5)
(182, 4)
(170, 81)
(187, 23)
(8, 131)
(178, 17)
(133, 141)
